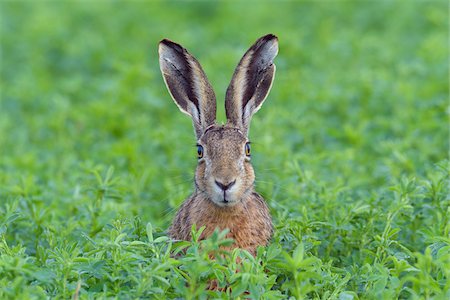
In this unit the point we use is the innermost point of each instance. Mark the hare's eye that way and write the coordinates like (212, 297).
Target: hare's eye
(199, 151)
(247, 149)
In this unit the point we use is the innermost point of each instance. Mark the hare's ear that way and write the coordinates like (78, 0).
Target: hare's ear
(187, 84)
(251, 82)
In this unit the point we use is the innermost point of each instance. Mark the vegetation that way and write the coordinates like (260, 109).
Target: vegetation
(350, 150)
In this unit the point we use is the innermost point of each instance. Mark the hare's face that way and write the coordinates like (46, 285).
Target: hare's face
(224, 173)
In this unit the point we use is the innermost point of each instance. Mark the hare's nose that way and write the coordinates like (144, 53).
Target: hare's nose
(225, 187)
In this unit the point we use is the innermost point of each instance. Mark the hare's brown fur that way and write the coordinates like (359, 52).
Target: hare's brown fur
(224, 196)
(248, 222)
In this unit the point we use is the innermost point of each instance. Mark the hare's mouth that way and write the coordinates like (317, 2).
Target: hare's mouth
(224, 199)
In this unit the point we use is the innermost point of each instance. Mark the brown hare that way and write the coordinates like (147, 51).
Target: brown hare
(224, 195)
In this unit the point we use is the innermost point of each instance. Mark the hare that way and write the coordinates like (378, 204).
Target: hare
(224, 195)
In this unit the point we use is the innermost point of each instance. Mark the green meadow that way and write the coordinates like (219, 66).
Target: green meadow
(350, 150)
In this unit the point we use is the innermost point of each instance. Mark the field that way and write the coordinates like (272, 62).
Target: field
(350, 150)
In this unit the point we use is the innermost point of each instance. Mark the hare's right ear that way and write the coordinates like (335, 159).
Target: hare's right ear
(251, 82)
(187, 84)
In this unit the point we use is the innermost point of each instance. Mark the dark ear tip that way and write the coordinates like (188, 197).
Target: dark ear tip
(265, 41)
(267, 44)
(270, 36)
(166, 42)
(172, 45)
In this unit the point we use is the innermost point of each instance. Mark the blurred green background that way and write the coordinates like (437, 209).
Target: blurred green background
(359, 102)
(359, 96)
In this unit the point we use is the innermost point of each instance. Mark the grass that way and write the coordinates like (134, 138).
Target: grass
(350, 150)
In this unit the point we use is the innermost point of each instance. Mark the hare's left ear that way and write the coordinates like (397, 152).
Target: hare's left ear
(251, 82)
(188, 85)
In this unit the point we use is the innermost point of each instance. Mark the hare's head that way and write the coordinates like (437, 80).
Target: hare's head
(224, 172)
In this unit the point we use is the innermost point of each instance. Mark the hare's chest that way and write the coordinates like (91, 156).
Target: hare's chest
(247, 232)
